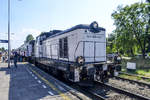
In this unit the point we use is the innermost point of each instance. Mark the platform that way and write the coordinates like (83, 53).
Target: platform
(27, 82)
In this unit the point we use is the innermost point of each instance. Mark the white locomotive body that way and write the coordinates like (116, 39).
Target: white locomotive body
(78, 54)
(78, 42)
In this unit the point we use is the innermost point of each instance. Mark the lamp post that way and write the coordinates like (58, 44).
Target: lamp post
(9, 49)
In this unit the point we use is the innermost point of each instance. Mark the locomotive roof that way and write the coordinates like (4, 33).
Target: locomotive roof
(45, 35)
(50, 33)
(80, 26)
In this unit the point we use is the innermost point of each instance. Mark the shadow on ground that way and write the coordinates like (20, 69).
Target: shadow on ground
(22, 86)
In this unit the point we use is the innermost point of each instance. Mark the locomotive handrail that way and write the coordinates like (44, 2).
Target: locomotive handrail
(76, 49)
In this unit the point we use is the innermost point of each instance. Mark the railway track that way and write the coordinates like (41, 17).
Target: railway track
(133, 81)
(109, 92)
(138, 88)
(126, 92)
(131, 94)
(104, 93)
(95, 95)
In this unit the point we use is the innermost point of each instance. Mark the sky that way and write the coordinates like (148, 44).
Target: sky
(36, 16)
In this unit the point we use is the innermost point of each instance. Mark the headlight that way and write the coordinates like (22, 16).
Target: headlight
(80, 60)
(95, 25)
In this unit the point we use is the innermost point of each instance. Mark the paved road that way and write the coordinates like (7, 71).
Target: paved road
(30, 83)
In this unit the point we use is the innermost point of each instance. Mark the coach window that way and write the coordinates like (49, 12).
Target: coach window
(63, 47)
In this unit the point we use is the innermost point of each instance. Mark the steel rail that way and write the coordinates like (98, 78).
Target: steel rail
(94, 94)
(126, 92)
(133, 81)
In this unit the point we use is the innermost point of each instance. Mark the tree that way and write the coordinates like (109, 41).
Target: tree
(2, 49)
(111, 43)
(131, 28)
(148, 26)
(29, 38)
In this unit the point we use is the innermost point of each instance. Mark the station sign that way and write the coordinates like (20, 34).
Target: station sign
(3, 41)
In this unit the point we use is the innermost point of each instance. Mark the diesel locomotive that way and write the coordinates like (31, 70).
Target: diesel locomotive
(77, 54)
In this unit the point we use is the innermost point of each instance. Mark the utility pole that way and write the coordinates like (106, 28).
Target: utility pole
(9, 49)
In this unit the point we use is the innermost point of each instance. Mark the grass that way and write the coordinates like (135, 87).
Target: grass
(143, 72)
(133, 77)
(142, 66)
(130, 77)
